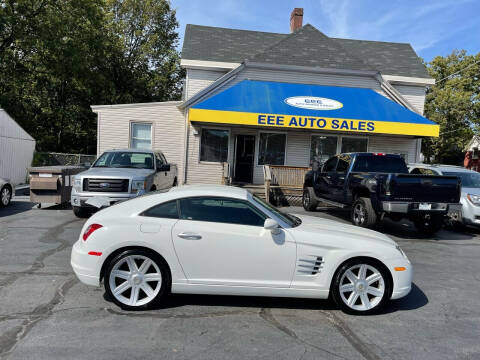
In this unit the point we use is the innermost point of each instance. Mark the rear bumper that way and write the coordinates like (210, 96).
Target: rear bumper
(413, 207)
(86, 267)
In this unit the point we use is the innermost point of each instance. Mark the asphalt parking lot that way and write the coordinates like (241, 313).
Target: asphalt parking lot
(45, 313)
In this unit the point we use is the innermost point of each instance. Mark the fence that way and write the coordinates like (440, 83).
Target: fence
(52, 159)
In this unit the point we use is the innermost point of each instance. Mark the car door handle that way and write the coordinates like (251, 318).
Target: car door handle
(190, 236)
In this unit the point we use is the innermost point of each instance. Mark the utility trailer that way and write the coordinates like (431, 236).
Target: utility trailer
(52, 184)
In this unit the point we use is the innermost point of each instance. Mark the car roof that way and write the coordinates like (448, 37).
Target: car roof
(132, 150)
(209, 190)
(441, 167)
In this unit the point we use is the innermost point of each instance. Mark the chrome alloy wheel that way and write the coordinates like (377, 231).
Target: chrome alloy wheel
(135, 280)
(359, 214)
(306, 199)
(5, 196)
(362, 287)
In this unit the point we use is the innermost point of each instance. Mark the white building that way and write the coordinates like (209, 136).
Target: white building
(16, 150)
(248, 101)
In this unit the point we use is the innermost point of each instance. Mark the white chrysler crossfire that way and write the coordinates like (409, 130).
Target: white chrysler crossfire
(222, 240)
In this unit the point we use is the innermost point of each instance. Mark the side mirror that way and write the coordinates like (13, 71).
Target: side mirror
(272, 225)
(165, 167)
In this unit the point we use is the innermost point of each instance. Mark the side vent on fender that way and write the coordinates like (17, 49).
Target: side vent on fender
(310, 266)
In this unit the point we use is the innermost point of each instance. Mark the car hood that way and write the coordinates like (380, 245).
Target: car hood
(116, 172)
(314, 224)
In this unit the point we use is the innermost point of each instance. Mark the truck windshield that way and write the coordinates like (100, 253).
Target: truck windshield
(118, 159)
(380, 163)
(469, 180)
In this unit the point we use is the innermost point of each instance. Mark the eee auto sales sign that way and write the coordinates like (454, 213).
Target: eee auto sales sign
(313, 103)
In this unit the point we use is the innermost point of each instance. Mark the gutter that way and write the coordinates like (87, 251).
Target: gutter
(394, 93)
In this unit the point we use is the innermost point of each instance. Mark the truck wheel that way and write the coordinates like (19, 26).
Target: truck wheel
(428, 225)
(309, 201)
(363, 214)
(80, 212)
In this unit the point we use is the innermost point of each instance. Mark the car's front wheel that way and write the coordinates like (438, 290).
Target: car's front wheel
(137, 279)
(81, 212)
(5, 196)
(361, 287)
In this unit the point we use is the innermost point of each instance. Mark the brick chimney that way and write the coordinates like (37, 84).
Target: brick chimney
(296, 19)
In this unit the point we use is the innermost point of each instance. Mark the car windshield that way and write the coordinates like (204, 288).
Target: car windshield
(380, 163)
(291, 220)
(127, 159)
(468, 179)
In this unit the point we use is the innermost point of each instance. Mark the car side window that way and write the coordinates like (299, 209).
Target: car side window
(330, 164)
(158, 160)
(343, 163)
(222, 210)
(168, 210)
(163, 158)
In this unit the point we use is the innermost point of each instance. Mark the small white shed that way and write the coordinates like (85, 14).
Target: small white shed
(16, 150)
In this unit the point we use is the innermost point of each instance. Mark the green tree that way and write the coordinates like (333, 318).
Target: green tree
(454, 103)
(58, 57)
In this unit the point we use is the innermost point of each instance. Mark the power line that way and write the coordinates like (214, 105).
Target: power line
(459, 71)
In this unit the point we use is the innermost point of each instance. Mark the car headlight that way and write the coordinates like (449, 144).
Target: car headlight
(401, 251)
(138, 185)
(474, 199)
(77, 184)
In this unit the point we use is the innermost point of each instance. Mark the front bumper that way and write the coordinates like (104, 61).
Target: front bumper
(86, 267)
(414, 207)
(79, 199)
(402, 280)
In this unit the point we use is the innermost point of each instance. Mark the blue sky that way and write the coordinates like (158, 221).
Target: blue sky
(433, 27)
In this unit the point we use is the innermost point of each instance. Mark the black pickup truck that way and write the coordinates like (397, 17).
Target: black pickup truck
(375, 185)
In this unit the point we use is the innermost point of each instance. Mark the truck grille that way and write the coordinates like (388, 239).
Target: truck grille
(105, 185)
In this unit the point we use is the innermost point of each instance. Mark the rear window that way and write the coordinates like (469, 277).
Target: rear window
(380, 163)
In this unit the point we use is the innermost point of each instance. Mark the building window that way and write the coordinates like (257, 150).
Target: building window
(322, 148)
(271, 149)
(214, 145)
(350, 144)
(141, 136)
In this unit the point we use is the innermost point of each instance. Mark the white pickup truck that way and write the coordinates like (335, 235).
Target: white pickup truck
(119, 175)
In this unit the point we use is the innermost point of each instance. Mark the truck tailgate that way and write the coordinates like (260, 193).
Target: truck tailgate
(424, 188)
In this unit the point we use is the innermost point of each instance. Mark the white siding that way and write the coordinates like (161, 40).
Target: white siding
(304, 78)
(415, 95)
(393, 144)
(201, 172)
(199, 79)
(16, 150)
(168, 124)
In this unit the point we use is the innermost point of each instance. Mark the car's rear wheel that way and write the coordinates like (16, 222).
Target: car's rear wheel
(363, 214)
(309, 201)
(361, 287)
(137, 279)
(5, 196)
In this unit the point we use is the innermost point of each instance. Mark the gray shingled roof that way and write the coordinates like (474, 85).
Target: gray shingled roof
(305, 47)
(309, 47)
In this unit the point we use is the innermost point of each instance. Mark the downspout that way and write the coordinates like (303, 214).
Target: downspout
(185, 138)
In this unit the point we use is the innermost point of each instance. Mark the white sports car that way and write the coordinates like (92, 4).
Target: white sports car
(223, 240)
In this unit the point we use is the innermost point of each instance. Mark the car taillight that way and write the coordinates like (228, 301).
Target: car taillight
(379, 154)
(90, 229)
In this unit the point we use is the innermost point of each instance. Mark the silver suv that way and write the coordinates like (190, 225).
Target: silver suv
(119, 175)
